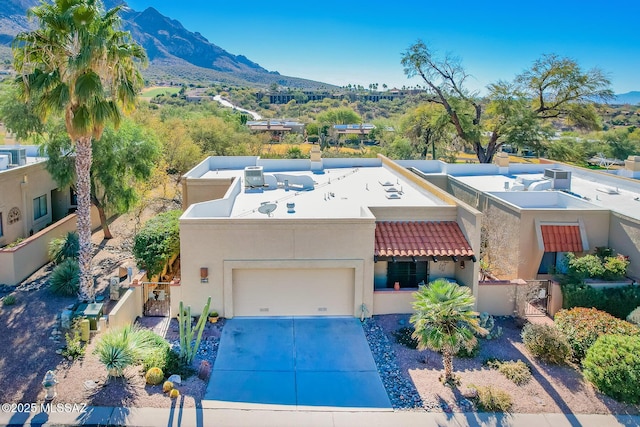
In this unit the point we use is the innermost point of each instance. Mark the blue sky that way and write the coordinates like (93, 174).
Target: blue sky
(361, 42)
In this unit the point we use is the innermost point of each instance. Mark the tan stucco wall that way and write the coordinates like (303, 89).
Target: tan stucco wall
(624, 237)
(497, 299)
(127, 309)
(596, 225)
(393, 302)
(222, 245)
(18, 187)
(19, 262)
(196, 190)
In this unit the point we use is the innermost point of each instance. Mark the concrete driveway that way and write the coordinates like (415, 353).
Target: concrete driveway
(302, 362)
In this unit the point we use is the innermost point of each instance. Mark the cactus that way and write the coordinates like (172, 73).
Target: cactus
(204, 370)
(487, 322)
(174, 393)
(167, 386)
(188, 348)
(154, 376)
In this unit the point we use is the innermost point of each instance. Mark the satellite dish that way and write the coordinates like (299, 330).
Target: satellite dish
(267, 208)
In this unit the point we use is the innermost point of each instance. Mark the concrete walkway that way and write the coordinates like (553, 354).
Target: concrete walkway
(193, 417)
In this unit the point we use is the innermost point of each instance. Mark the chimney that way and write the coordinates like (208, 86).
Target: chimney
(316, 159)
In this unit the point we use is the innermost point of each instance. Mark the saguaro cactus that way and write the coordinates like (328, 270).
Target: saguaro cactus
(188, 348)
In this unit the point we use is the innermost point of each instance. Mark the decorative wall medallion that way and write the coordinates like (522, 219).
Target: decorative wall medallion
(14, 215)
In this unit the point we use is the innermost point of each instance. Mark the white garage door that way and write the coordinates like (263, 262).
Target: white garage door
(293, 292)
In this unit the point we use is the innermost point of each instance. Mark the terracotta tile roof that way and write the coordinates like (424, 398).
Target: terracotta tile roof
(421, 239)
(561, 238)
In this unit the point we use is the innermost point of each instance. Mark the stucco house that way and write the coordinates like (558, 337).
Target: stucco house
(318, 237)
(339, 236)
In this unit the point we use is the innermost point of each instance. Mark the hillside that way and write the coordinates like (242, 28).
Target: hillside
(175, 53)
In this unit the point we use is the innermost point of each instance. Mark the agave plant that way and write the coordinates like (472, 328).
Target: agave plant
(65, 278)
(123, 347)
(114, 352)
(64, 248)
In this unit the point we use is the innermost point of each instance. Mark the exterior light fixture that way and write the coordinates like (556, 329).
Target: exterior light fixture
(454, 258)
(394, 259)
(462, 264)
(204, 275)
(434, 259)
(375, 258)
(473, 258)
(415, 261)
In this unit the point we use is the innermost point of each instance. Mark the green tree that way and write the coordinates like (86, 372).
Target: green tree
(553, 88)
(78, 63)
(18, 117)
(339, 116)
(120, 159)
(444, 321)
(425, 126)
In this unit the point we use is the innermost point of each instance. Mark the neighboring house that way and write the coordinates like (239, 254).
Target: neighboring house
(278, 128)
(536, 213)
(29, 197)
(318, 237)
(30, 202)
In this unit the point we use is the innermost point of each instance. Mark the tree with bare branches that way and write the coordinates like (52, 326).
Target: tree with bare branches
(512, 112)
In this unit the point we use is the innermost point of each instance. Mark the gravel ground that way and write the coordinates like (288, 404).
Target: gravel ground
(552, 388)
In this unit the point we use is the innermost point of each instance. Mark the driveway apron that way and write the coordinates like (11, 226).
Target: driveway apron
(303, 362)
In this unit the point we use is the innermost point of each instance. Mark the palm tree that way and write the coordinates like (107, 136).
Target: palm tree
(444, 321)
(79, 63)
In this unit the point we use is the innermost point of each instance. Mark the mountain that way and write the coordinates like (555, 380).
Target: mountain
(632, 98)
(175, 53)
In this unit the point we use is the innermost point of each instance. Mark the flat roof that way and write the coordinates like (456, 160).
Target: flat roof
(337, 193)
(588, 191)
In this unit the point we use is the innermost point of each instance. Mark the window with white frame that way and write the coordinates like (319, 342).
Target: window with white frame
(39, 207)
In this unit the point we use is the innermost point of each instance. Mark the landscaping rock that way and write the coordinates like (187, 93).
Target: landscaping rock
(470, 393)
(175, 379)
(402, 393)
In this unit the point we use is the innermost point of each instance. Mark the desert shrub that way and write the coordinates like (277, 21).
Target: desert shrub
(618, 301)
(612, 364)
(167, 386)
(404, 336)
(466, 353)
(65, 278)
(491, 399)
(634, 316)
(154, 376)
(174, 393)
(602, 265)
(120, 348)
(9, 300)
(74, 348)
(63, 248)
(157, 241)
(546, 343)
(582, 327)
(518, 371)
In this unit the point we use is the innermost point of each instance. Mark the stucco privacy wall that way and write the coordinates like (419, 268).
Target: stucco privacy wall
(624, 238)
(127, 309)
(18, 263)
(222, 245)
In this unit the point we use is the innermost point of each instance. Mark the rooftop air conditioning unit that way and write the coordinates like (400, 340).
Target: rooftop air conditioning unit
(560, 179)
(253, 177)
(18, 155)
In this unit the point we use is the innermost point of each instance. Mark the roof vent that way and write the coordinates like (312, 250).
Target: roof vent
(393, 196)
(253, 177)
